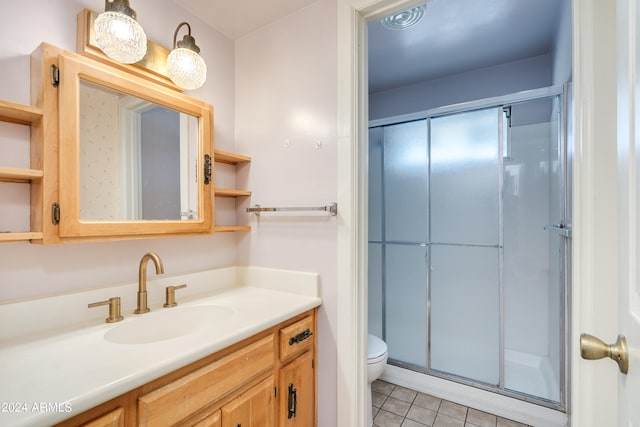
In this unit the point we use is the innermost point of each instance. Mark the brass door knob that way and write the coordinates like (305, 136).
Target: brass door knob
(592, 348)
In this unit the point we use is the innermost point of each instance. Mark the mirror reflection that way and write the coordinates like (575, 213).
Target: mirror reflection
(138, 159)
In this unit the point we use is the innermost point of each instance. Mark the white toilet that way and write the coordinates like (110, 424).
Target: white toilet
(377, 359)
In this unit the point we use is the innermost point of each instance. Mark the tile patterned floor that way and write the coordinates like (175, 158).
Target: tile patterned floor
(395, 406)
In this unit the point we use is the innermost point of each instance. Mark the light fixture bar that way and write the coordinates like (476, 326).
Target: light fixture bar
(152, 67)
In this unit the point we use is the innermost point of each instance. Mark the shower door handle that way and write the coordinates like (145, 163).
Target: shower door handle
(560, 229)
(592, 348)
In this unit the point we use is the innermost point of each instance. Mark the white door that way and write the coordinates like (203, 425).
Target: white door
(607, 205)
(628, 17)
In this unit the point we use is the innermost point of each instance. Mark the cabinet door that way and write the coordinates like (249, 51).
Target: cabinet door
(212, 420)
(255, 408)
(296, 393)
(113, 418)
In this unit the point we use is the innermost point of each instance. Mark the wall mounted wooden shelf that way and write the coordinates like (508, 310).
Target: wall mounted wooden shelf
(18, 113)
(230, 159)
(9, 174)
(227, 192)
(19, 237)
(224, 229)
(26, 115)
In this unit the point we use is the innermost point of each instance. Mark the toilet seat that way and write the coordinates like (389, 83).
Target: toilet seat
(381, 358)
(376, 349)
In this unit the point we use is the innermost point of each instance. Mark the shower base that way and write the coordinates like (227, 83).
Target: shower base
(530, 374)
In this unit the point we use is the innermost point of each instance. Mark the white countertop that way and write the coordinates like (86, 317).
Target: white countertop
(59, 370)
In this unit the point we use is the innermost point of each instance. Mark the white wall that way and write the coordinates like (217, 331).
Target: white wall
(286, 90)
(487, 82)
(562, 52)
(28, 270)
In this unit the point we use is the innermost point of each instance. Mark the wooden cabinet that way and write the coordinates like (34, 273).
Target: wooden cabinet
(296, 403)
(71, 206)
(230, 159)
(251, 384)
(96, 115)
(136, 155)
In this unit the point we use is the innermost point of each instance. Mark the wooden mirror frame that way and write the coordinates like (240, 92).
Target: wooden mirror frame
(59, 157)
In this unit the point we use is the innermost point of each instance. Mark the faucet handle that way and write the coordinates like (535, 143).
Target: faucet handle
(114, 309)
(171, 295)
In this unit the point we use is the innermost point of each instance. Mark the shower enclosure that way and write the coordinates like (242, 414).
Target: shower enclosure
(468, 243)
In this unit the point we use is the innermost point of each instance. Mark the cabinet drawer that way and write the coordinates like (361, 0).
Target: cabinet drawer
(296, 338)
(183, 397)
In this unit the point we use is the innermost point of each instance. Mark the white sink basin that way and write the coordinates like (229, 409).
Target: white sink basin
(167, 324)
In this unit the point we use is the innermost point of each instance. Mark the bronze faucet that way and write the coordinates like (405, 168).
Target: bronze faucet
(142, 280)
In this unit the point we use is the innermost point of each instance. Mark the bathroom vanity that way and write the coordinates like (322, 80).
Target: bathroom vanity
(228, 354)
(255, 382)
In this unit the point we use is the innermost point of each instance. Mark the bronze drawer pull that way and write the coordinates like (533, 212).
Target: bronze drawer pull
(300, 337)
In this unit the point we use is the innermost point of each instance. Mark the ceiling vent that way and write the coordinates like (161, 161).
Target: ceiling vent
(405, 19)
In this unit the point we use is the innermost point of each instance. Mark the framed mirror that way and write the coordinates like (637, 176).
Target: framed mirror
(133, 155)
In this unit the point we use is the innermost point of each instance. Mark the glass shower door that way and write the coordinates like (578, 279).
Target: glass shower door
(468, 247)
(405, 231)
(465, 245)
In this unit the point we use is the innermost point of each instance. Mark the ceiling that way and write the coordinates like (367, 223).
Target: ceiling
(235, 18)
(460, 35)
(454, 36)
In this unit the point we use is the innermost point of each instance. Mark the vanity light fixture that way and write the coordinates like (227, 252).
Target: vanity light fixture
(118, 33)
(404, 19)
(185, 66)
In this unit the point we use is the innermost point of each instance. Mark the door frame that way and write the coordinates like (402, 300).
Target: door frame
(590, 303)
(593, 390)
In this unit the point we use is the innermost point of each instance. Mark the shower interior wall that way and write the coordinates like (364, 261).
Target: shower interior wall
(532, 257)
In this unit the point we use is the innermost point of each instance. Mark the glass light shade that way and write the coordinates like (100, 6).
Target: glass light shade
(120, 37)
(186, 68)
